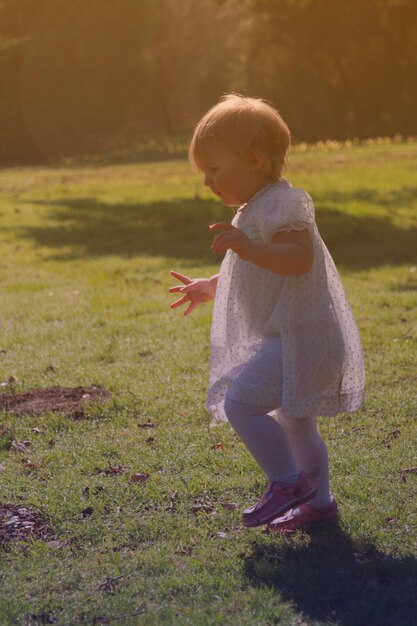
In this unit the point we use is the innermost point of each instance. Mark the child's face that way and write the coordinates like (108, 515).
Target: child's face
(234, 179)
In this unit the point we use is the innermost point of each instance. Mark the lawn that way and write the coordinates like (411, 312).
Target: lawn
(85, 255)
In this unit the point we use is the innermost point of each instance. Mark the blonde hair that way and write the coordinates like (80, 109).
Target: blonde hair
(243, 123)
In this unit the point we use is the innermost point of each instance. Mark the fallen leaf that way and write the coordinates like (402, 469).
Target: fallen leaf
(150, 440)
(218, 446)
(204, 504)
(147, 424)
(29, 465)
(203, 508)
(139, 477)
(88, 511)
(113, 469)
(109, 584)
(152, 507)
(172, 497)
(229, 506)
(51, 443)
(19, 446)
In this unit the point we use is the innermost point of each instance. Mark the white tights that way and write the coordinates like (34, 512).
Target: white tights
(283, 446)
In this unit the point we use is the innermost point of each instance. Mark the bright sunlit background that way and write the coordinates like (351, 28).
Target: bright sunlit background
(81, 76)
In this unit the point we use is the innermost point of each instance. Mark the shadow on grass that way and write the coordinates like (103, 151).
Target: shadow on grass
(393, 199)
(330, 579)
(87, 227)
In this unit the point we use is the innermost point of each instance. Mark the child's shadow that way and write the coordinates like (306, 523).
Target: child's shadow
(326, 576)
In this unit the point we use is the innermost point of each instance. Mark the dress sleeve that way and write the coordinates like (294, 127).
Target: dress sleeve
(295, 211)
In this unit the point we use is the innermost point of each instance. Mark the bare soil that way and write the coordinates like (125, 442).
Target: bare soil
(68, 401)
(19, 523)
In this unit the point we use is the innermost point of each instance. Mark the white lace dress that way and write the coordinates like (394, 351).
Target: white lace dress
(322, 361)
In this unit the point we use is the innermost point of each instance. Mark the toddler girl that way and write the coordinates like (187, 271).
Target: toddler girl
(284, 344)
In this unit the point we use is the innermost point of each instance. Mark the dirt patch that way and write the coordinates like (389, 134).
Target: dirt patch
(68, 401)
(19, 523)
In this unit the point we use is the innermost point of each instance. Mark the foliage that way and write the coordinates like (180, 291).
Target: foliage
(82, 76)
(83, 72)
(338, 69)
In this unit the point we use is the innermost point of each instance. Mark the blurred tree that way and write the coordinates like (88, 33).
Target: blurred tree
(16, 19)
(78, 69)
(82, 75)
(84, 72)
(337, 68)
(191, 56)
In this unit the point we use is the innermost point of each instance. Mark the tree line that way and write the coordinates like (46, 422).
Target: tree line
(85, 75)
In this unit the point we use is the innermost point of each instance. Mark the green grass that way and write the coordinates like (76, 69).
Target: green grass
(85, 258)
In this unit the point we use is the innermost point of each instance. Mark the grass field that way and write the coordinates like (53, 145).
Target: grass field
(85, 258)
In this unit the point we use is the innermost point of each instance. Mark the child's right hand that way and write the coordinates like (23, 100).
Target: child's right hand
(196, 291)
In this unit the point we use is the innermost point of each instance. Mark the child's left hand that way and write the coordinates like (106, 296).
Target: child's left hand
(231, 239)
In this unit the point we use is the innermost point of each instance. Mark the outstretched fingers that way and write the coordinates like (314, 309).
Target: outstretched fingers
(191, 287)
(179, 302)
(185, 288)
(181, 277)
(190, 307)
